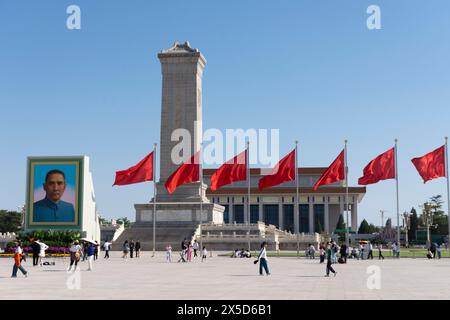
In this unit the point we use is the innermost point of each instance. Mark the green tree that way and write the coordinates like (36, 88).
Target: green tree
(373, 228)
(439, 217)
(341, 225)
(318, 226)
(364, 227)
(124, 221)
(10, 221)
(413, 224)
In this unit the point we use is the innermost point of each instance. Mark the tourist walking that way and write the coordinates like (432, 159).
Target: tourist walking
(131, 248)
(195, 247)
(126, 249)
(96, 250)
(42, 248)
(204, 254)
(343, 252)
(75, 254)
(322, 253)
(312, 252)
(137, 248)
(439, 251)
(91, 255)
(329, 261)
(169, 253)
(189, 253)
(18, 254)
(334, 250)
(106, 247)
(380, 254)
(36, 248)
(369, 250)
(262, 258)
(85, 250)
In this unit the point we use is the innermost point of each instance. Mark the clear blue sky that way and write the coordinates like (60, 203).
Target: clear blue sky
(310, 68)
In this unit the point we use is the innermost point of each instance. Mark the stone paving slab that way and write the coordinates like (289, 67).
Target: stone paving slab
(226, 278)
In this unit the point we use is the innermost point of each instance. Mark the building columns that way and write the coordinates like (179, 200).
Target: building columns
(261, 215)
(280, 215)
(296, 217)
(245, 210)
(311, 215)
(355, 216)
(327, 216)
(230, 212)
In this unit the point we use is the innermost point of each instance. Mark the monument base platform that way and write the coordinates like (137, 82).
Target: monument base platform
(175, 221)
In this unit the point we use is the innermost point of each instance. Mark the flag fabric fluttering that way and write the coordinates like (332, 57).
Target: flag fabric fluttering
(231, 171)
(186, 173)
(380, 168)
(284, 171)
(141, 172)
(431, 165)
(334, 173)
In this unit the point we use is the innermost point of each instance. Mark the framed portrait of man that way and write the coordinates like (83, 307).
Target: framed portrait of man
(54, 192)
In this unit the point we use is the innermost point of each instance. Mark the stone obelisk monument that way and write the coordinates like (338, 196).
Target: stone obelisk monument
(181, 108)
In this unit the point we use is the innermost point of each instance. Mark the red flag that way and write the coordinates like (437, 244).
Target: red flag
(186, 173)
(334, 173)
(141, 172)
(284, 171)
(380, 168)
(431, 165)
(233, 170)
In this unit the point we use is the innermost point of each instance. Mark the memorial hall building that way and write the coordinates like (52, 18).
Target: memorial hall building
(318, 210)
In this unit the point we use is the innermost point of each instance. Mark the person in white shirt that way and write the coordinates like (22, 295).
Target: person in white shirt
(43, 247)
(204, 253)
(75, 253)
(195, 247)
(169, 253)
(262, 258)
(107, 247)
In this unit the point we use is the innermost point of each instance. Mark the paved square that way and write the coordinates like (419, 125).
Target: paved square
(226, 278)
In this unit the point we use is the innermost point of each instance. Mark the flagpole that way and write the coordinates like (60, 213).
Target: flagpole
(448, 187)
(398, 204)
(248, 193)
(347, 238)
(154, 198)
(296, 209)
(201, 193)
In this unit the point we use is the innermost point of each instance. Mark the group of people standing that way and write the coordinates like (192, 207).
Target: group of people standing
(188, 251)
(132, 248)
(89, 252)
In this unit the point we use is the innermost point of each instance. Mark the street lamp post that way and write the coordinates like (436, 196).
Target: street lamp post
(406, 225)
(427, 218)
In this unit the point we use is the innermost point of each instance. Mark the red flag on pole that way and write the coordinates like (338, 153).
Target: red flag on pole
(233, 170)
(431, 165)
(380, 168)
(284, 171)
(186, 173)
(143, 171)
(334, 173)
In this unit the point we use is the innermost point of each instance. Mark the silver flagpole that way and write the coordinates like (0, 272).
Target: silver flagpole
(201, 193)
(248, 193)
(398, 204)
(297, 209)
(448, 188)
(154, 198)
(347, 237)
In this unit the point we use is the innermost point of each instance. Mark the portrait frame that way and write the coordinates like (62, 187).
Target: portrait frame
(73, 168)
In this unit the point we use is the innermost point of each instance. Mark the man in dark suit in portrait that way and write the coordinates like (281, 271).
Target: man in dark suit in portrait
(52, 208)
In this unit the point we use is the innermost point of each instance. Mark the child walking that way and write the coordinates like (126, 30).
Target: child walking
(204, 254)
